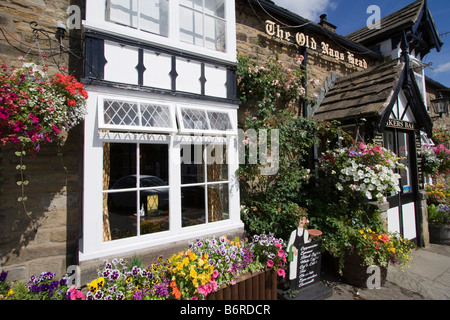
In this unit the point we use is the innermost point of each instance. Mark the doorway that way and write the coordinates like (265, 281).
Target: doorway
(404, 212)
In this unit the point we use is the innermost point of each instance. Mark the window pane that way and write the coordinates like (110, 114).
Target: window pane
(122, 166)
(219, 121)
(154, 16)
(193, 206)
(120, 113)
(192, 167)
(146, 204)
(215, 34)
(405, 155)
(195, 4)
(120, 214)
(216, 159)
(215, 8)
(157, 116)
(218, 202)
(122, 12)
(154, 163)
(194, 119)
(191, 26)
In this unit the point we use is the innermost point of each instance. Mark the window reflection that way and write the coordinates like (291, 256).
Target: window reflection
(131, 205)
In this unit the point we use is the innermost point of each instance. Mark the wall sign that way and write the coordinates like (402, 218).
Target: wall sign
(400, 124)
(308, 264)
(305, 40)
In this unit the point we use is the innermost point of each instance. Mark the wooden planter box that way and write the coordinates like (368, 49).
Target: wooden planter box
(250, 286)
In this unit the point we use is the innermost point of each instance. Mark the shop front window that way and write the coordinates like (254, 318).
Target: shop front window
(204, 184)
(135, 189)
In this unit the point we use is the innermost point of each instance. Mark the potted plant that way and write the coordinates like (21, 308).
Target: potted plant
(439, 223)
(354, 247)
(354, 235)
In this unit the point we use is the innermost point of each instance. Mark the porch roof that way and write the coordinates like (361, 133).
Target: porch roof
(372, 93)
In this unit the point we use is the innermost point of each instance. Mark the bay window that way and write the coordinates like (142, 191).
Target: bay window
(205, 27)
(157, 170)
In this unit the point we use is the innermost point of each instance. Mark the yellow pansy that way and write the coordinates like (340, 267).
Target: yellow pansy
(101, 281)
(92, 286)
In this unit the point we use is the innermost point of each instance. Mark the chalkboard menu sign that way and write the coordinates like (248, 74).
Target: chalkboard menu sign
(308, 264)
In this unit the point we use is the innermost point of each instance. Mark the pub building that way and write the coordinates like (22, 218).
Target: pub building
(372, 81)
(153, 165)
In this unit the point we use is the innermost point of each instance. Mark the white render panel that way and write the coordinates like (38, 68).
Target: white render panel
(409, 221)
(122, 62)
(393, 220)
(157, 73)
(216, 81)
(189, 73)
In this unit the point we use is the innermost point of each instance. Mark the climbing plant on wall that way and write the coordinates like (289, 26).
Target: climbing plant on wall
(271, 199)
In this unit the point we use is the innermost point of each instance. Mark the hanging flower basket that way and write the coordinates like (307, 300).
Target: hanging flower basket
(36, 107)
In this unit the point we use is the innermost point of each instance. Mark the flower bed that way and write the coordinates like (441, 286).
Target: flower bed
(206, 267)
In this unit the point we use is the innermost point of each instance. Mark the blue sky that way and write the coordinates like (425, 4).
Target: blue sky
(351, 15)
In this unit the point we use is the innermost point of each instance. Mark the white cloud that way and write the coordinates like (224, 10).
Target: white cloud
(309, 9)
(442, 68)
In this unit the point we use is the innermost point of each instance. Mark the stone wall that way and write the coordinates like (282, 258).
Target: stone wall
(253, 41)
(46, 240)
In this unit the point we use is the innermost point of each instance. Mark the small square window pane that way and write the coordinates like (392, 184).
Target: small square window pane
(192, 166)
(123, 12)
(215, 8)
(214, 34)
(193, 210)
(218, 204)
(154, 165)
(119, 166)
(154, 16)
(216, 160)
(191, 26)
(194, 4)
(119, 215)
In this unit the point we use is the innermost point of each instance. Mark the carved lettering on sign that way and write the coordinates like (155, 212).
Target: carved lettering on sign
(305, 40)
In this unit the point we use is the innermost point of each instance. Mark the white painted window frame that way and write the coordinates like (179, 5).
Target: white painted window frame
(139, 128)
(96, 21)
(92, 245)
(205, 109)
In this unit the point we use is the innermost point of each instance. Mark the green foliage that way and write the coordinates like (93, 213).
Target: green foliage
(269, 200)
(439, 214)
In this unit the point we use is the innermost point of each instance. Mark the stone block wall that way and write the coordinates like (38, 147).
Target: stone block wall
(253, 41)
(46, 240)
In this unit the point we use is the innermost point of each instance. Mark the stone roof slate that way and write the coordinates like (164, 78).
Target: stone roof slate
(361, 94)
